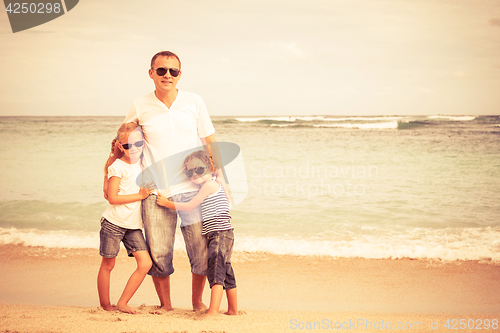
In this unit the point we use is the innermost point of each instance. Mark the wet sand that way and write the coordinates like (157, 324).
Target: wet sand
(54, 290)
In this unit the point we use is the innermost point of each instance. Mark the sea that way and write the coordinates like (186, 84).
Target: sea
(422, 187)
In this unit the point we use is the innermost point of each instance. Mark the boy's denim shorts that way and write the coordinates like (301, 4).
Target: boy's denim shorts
(111, 235)
(220, 247)
(159, 227)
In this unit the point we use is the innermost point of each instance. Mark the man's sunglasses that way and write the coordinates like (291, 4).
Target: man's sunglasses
(127, 146)
(160, 71)
(197, 170)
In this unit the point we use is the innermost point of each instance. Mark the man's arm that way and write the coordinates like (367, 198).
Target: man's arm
(214, 152)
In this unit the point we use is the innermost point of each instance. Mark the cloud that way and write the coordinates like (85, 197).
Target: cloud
(495, 21)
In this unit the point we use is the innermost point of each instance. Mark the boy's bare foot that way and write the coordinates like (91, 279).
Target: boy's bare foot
(109, 308)
(127, 309)
(208, 315)
(161, 310)
(199, 307)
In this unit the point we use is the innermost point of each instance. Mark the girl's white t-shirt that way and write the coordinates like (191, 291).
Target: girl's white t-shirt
(129, 215)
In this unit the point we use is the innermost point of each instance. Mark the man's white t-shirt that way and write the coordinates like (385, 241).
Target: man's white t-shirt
(172, 134)
(129, 215)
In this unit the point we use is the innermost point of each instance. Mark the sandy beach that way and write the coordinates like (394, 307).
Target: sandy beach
(54, 290)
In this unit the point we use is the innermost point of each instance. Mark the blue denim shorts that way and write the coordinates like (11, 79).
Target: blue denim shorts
(111, 235)
(159, 226)
(220, 247)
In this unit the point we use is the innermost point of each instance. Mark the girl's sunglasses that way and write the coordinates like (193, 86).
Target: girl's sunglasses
(127, 146)
(160, 71)
(198, 170)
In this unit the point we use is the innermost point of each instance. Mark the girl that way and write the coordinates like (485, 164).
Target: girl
(216, 227)
(122, 220)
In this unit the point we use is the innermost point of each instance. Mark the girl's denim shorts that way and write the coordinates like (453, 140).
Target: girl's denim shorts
(111, 235)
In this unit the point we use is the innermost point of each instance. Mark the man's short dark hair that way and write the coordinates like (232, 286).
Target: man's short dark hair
(165, 54)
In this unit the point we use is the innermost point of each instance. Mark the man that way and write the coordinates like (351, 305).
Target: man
(174, 122)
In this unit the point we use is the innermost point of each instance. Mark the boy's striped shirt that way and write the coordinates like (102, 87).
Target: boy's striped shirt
(215, 212)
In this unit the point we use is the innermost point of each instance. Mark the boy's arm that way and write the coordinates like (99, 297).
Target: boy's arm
(207, 189)
(115, 199)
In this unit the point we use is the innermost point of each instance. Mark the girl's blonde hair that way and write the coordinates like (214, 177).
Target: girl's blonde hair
(202, 156)
(124, 130)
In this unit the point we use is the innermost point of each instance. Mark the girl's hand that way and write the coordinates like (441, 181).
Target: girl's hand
(162, 200)
(145, 192)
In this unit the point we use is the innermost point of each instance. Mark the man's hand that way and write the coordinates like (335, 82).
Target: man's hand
(219, 176)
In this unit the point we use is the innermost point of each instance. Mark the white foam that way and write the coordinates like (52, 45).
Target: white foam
(60, 238)
(52, 238)
(454, 118)
(445, 244)
(290, 119)
(364, 119)
(385, 125)
(420, 243)
(320, 118)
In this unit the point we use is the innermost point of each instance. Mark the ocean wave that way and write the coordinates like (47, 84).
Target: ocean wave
(384, 125)
(381, 118)
(453, 118)
(413, 124)
(49, 238)
(58, 238)
(279, 119)
(317, 118)
(46, 215)
(419, 243)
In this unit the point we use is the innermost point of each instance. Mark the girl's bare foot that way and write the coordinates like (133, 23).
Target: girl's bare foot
(231, 313)
(109, 307)
(127, 309)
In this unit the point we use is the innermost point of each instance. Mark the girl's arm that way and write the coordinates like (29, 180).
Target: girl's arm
(207, 189)
(116, 199)
(115, 154)
(105, 186)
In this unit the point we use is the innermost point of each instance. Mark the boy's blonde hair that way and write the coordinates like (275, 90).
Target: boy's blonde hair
(202, 156)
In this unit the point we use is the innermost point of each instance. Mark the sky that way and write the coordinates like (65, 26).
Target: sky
(256, 57)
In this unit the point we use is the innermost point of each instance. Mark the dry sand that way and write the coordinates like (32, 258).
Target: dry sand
(54, 290)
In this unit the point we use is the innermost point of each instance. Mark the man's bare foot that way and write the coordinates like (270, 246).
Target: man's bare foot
(161, 310)
(109, 308)
(127, 309)
(199, 307)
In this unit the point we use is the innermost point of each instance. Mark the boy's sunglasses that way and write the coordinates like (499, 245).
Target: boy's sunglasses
(127, 146)
(160, 71)
(197, 170)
